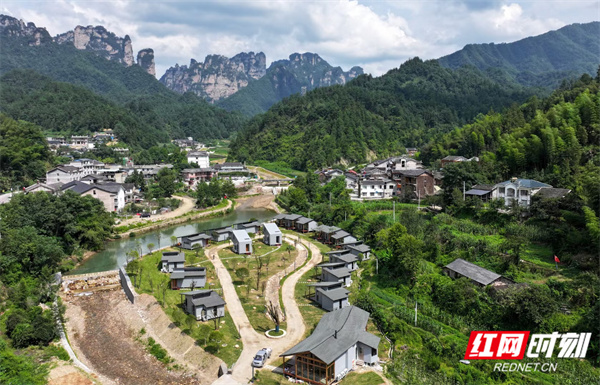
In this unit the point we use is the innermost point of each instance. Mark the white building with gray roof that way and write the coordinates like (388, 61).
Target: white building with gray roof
(272, 236)
(242, 243)
(171, 260)
(188, 278)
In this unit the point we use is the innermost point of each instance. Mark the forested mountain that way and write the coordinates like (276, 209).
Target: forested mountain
(130, 87)
(555, 140)
(543, 60)
(299, 74)
(371, 117)
(74, 110)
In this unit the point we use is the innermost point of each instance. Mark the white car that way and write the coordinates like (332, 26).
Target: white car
(261, 357)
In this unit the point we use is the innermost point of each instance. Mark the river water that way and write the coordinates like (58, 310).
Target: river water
(114, 254)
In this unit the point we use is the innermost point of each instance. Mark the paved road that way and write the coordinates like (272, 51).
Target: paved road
(253, 341)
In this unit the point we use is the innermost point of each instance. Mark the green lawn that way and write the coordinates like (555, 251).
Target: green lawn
(153, 282)
(250, 293)
(310, 310)
(368, 378)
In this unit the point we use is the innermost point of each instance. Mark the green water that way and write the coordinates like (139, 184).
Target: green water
(114, 254)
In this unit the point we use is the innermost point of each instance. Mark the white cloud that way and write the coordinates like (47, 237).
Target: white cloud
(378, 35)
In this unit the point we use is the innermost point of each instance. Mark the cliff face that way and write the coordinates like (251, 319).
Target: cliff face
(299, 74)
(218, 76)
(9, 26)
(101, 41)
(145, 59)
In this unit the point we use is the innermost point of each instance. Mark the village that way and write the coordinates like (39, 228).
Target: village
(308, 270)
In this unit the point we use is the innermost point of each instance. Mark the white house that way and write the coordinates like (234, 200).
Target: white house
(339, 274)
(199, 157)
(188, 277)
(518, 190)
(242, 243)
(112, 195)
(272, 235)
(339, 340)
(376, 189)
(63, 174)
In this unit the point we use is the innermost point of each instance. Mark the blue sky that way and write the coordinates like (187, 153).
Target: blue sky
(377, 35)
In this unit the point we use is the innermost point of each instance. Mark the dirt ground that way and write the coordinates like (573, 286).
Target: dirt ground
(187, 204)
(103, 327)
(266, 201)
(66, 374)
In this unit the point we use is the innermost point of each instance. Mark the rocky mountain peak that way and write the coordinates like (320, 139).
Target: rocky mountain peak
(145, 59)
(218, 77)
(101, 41)
(10, 26)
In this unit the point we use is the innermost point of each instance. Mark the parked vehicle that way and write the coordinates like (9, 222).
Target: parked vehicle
(261, 357)
(145, 215)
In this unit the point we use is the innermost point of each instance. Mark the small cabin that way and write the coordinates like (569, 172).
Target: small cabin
(478, 275)
(336, 274)
(171, 260)
(220, 235)
(204, 304)
(189, 241)
(305, 225)
(272, 236)
(188, 278)
(242, 243)
(360, 249)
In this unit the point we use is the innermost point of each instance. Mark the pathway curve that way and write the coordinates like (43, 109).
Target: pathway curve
(65, 342)
(253, 341)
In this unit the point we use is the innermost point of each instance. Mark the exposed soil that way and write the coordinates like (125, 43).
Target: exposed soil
(66, 374)
(103, 327)
(263, 201)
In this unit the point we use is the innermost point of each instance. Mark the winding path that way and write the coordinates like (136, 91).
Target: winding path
(253, 341)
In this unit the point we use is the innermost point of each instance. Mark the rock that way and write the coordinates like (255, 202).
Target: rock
(100, 41)
(145, 59)
(218, 76)
(9, 26)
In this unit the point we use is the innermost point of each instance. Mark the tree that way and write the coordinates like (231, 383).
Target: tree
(158, 238)
(274, 313)
(173, 240)
(150, 247)
(197, 247)
(191, 322)
(289, 249)
(242, 273)
(259, 266)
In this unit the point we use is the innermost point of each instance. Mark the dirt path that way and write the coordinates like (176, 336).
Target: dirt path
(187, 204)
(103, 328)
(253, 341)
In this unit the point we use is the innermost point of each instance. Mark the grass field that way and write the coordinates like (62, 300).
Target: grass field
(251, 292)
(155, 283)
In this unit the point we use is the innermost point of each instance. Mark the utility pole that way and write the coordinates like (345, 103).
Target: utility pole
(419, 196)
(330, 200)
(376, 265)
(394, 215)
(463, 190)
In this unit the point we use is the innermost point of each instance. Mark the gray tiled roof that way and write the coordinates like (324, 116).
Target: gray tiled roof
(188, 272)
(412, 173)
(172, 257)
(198, 237)
(279, 216)
(454, 158)
(338, 273)
(303, 220)
(292, 217)
(340, 234)
(526, 183)
(331, 264)
(334, 294)
(347, 258)
(472, 271)
(240, 236)
(360, 248)
(206, 298)
(477, 192)
(271, 228)
(550, 193)
(327, 345)
(325, 284)
(329, 229)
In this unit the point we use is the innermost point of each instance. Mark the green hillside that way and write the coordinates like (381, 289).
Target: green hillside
(371, 116)
(128, 87)
(543, 60)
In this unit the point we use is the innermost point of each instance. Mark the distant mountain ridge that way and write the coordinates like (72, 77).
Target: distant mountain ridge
(542, 60)
(218, 77)
(96, 39)
(243, 83)
(298, 75)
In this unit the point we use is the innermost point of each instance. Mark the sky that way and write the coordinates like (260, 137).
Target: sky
(376, 35)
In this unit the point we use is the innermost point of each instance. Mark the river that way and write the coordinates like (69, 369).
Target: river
(114, 254)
